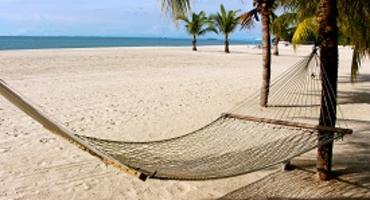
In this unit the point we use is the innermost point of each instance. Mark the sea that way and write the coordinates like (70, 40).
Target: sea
(56, 42)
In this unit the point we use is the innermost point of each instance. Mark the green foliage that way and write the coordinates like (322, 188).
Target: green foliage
(198, 24)
(306, 30)
(263, 7)
(353, 23)
(354, 20)
(176, 7)
(225, 21)
(282, 25)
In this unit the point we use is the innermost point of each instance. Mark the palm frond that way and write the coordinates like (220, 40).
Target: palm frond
(198, 23)
(225, 21)
(176, 7)
(183, 18)
(354, 23)
(247, 19)
(280, 25)
(304, 29)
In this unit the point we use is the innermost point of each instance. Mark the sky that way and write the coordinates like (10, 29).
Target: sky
(123, 18)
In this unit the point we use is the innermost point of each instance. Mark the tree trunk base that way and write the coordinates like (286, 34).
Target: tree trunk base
(287, 166)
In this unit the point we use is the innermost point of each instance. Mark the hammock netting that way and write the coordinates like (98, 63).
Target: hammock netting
(227, 147)
(232, 144)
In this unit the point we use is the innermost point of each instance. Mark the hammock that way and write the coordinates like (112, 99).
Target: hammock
(231, 145)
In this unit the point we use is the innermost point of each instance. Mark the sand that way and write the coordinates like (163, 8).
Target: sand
(140, 94)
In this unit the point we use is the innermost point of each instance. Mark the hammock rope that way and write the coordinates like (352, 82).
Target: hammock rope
(246, 139)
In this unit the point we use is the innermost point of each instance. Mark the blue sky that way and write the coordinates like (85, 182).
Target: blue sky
(126, 18)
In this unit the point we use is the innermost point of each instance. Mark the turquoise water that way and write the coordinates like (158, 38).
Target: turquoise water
(28, 42)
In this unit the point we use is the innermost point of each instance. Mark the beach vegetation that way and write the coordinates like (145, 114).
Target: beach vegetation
(226, 22)
(176, 8)
(353, 20)
(199, 24)
(281, 28)
(265, 9)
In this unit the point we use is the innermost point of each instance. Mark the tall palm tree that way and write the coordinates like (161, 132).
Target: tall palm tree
(328, 42)
(353, 20)
(265, 9)
(226, 22)
(198, 25)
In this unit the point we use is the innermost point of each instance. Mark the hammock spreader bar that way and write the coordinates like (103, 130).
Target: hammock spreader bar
(343, 131)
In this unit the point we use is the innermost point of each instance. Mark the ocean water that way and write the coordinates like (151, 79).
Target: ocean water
(39, 42)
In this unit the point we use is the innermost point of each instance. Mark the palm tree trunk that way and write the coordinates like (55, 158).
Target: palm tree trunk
(266, 59)
(328, 41)
(276, 44)
(355, 64)
(194, 42)
(227, 43)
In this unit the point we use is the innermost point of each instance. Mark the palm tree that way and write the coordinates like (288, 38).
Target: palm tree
(198, 25)
(280, 27)
(265, 9)
(328, 42)
(353, 26)
(226, 22)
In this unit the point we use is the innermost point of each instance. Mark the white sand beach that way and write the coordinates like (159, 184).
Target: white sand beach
(150, 93)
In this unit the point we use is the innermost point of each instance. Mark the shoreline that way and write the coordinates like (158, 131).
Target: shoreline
(37, 42)
(207, 46)
(129, 47)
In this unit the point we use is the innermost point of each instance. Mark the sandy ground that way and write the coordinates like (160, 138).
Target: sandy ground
(140, 94)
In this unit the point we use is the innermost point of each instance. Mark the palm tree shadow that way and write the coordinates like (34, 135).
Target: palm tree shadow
(362, 78)
(299, 184)
(362, 95)
(359, 95)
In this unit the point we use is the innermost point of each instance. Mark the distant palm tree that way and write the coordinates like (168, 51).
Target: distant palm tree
(281, 27)
(226, 22)
(265, 9)
(198, 25)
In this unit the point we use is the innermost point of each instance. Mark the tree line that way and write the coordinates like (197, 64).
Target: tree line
(223, 22)
(297, 23)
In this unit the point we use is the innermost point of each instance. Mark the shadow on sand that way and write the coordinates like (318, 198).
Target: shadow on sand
(362, 78)
(351, 175)
(300, 184)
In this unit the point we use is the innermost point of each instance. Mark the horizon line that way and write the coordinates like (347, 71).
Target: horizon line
(112, 36)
